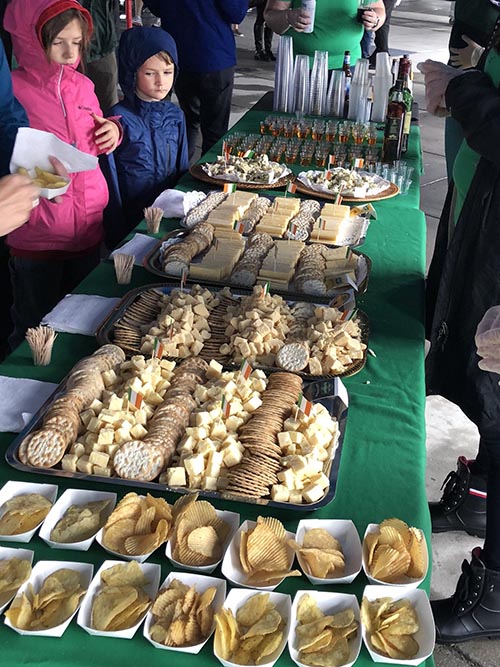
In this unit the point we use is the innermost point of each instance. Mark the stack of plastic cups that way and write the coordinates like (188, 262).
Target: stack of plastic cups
(283, 76)
(301, 84)
(335, 97)
(358, 95)
(319, 83)
(382, 85)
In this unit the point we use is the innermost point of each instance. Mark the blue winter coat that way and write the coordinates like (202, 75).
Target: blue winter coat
(12, 115)
(153, 153)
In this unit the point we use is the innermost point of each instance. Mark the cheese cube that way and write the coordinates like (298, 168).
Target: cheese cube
(214, 464)
(176, 476)
(209, 483)
(232, 455)
(99, 459)
(106, 436)
(68, 462)
(194, 465)
(138, 432)
(102, 471)
(280, 493)
(312, 493)
(83, 465)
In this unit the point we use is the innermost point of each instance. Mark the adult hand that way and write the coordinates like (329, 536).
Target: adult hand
(299, 19)
(370, 19)
(106, 135)
(60, 170)
(18, 196)
(488, 340)
(468, 56)
(437, 77)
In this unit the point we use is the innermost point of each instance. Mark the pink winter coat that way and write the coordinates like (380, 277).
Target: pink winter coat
(60, 100)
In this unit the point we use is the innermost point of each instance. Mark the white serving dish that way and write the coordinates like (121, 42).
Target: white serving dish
(7, 554)
(345, 531)
(329, 603)
(233, 520)
(39, 573)
(151, 571)
(73, 497)
(231, 564)
(405, 581)
(237, 598)
(201, 583)
(426, 636)
(12, 489)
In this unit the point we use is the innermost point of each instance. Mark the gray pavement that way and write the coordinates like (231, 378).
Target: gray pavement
(420, 28)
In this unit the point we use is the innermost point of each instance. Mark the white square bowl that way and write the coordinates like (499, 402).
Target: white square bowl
(73, 497)
(329, 603)
(233, 520)
(201, 584)
(12, 489)
(7, 554)
(345, 532)
(405, 581)
(151, 571)
(237, 598)
(426, 636)
(231, 564)
(39, 573)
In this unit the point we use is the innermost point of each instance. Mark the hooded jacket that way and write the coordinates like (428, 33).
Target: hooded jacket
(153, 153)
(60, 100)
(12, 115)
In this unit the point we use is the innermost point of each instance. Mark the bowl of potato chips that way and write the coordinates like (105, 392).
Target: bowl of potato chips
(15, 569)
(48, 600)
(252, 628)
(118, 598)
(324, 629)
(23, 507)
(200, 535)
(397, 629)
(75, 519)
(328, 550)
(51, 185)
(395, 554)
(182, 617)
(259, 555)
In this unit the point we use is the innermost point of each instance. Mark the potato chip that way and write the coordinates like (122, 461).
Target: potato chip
(390, 626)
(23, 513)
(124, 574)
(255, 633)
(80, 522)
(320, 538)
(110, 602)
(323, 639)
(56, 600)
(138, 525)
(13, 573)
(394, 551)
(185, 616)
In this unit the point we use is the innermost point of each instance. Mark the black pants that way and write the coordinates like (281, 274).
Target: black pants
(5, 299)
(38, 285)
(260, 27)
(487, 465)
(205, 98)
(382, 34)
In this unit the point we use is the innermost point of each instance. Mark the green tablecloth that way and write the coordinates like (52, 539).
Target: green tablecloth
(383, 460)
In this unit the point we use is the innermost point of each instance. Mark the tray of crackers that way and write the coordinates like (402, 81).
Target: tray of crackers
(285, 217)
(291, 267)
(353, 185)
(190, 426)
(269, 332)
(249, 173)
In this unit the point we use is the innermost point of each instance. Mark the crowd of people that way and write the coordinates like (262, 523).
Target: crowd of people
(66, 82)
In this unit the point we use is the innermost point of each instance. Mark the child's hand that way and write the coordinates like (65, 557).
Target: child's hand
(106, 135)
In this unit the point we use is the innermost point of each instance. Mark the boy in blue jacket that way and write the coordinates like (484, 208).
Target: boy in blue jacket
(153, 153)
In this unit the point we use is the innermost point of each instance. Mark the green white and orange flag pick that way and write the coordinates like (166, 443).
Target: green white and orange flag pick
(225, 406)
(135, 398)
(358, 163)
(291, 188)
(239, 226)
(331, 160)
(157, 348)
(265, 288)
(305, 406)
(229, 187)
(248, 154)
(225, 150)
(245, 369)
(338, 199)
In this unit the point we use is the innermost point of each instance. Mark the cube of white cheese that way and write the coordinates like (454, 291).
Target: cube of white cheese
(176, 476)
(194, 465)
(279, 493)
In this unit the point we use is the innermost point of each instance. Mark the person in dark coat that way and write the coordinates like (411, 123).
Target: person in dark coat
(463, 283)
(153, 153)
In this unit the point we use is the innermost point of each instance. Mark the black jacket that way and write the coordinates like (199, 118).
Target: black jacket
(464, 278)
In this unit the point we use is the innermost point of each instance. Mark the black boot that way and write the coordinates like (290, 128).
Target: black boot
(474, 610)
(268, 40)
(463, 504)
(259, 55)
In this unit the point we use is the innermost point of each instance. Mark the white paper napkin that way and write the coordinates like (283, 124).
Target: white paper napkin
(80, 313)
(176, 204)
(33, 147)
(21, 399)
(139, 245)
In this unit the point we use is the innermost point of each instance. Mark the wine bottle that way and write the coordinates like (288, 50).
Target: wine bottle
(393, 133)
(346, 67)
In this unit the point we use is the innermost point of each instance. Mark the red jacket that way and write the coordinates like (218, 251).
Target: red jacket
(60, 100)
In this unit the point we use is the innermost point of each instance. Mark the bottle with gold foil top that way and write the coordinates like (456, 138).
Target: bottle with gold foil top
(346, 67)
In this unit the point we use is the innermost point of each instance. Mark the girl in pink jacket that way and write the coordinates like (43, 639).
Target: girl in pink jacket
(60, 243)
